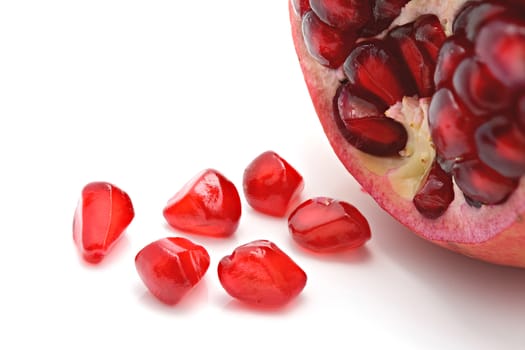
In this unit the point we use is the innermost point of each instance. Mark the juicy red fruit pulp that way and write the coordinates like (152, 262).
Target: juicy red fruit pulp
(474, 80)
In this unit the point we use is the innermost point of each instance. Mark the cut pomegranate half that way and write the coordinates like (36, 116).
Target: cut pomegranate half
(449, 76)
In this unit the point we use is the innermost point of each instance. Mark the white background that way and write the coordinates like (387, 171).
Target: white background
(146, 94)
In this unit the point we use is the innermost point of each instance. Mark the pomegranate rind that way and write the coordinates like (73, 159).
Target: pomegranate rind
(495, 234)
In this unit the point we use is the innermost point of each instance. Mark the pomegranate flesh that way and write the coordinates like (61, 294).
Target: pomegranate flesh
(423, 101)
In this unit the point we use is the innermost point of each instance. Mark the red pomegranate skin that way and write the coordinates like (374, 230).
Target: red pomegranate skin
(499, 239)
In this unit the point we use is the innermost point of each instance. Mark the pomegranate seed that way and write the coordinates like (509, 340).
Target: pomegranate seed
(454, 50)
(452, 128)
(208, 204)
(473, 15)
(384, 12)
(436, 194)
(103, 213)
(520, 112)
(463, 17)
(420, 66)
(365, 127)
(301, 7)
(380, 136)
(482, 184)
(429, 35)
(342, 14)
(271, 184)
(170, 267)
(351, 106)
(501, 46)
(325, 225)
(328, 45)
(519, 3)
(373, 69)
(502, 146)
(260, 273)
(478, 88)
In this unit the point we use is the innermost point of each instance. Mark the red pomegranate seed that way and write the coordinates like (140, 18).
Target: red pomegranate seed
(462, 18)
(501, 46)
(351, 106)
(380, 136)
(473, 15)
(501, 145)
(260, 273)
(208, 204)
(325, 225)
(419, 64)
(301, 6)
(520, 112)
(371, 68)
(342, 14)
(328, 45)
(453, 51)
(482, 184)
(271, 184)
(434, 197)
(478, 89)
(452, 128)
(170, 267)
(103, 213)
(429, 35)
(384, 12)
(519, 3)
(365, 127)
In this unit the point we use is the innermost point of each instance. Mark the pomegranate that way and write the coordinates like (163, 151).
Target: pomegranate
(423, 101)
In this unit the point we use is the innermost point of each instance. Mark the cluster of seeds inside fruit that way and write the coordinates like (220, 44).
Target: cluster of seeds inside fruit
(258, 272)
(475, 113)
(475, 80)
